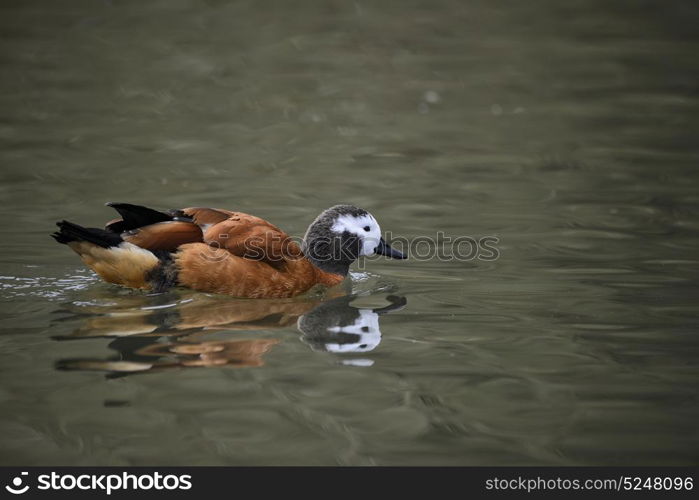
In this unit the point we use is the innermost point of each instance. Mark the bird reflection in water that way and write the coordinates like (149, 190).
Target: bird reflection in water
(174, 335)
(336, 326)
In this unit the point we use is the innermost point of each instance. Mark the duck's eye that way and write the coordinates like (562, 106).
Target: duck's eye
(367, 228)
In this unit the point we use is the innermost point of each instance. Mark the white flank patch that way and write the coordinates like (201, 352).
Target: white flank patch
(370, 239)
(131, 248)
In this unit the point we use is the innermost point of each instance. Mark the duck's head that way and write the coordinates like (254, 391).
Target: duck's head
(342, 234)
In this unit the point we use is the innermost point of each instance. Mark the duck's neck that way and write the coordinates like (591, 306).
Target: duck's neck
(329, 266)
(323, 255)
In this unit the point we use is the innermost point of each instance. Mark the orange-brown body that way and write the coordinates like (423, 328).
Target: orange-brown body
(213, 250)
(208, 269)
(245, 256)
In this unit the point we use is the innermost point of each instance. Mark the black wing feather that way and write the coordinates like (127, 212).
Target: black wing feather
(135, 216)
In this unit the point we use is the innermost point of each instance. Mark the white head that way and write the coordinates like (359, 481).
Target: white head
(342, 234)
(364, 227)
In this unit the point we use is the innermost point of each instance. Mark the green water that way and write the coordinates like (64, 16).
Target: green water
(568, 130)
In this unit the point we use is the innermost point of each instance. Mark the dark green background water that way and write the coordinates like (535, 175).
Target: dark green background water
(566, 129)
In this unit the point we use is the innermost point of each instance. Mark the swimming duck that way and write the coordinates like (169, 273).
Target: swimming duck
(220, 251)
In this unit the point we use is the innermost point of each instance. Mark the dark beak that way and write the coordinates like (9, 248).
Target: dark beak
(396, 304)
(385, 249)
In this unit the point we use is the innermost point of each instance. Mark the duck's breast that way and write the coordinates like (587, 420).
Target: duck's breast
(216, 270)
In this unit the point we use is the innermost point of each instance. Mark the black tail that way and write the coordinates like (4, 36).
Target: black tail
(135, 216)
(72, 232)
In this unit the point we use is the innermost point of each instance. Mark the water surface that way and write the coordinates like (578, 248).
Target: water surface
(566, 130)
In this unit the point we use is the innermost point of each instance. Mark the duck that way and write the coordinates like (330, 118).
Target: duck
(224, 252)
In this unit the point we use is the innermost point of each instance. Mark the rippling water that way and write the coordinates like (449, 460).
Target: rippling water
(566, 130)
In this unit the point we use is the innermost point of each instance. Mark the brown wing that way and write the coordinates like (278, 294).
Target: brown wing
(205, 216)
(253, 238)
(164, 235)
(241, 234)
